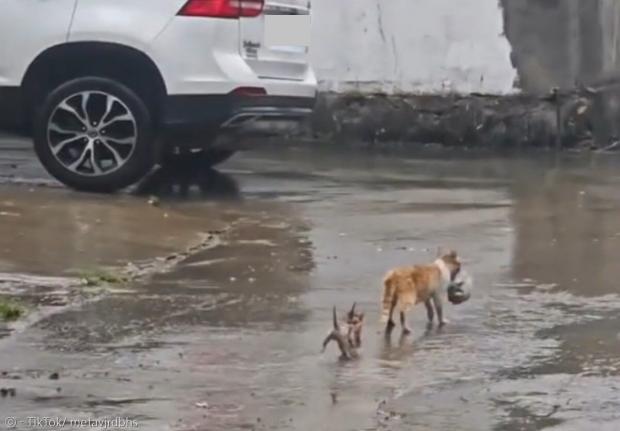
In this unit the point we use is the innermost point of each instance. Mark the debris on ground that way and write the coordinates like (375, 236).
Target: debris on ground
(154, 201)
(98, 277)
(8, 392)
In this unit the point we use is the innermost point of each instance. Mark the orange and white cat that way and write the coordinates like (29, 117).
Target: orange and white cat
(407, 286)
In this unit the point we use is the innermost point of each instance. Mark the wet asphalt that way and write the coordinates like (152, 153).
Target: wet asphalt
(226, 334)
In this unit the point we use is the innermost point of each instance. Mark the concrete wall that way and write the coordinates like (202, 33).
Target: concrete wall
(463, 46)
(420, 46)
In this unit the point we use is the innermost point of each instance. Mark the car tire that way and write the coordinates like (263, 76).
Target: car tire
(94, 134)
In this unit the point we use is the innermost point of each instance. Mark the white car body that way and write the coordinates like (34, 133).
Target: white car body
(195, 56)
(27, 28)
(197, 75)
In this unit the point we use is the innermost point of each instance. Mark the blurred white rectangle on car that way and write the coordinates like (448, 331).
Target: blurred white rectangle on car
(287, 30)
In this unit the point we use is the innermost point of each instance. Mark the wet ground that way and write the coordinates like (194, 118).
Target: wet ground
(227, 336)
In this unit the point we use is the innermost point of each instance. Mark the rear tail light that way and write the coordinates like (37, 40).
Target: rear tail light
(223, 8)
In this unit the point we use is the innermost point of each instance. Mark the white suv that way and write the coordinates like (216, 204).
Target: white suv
(106, 87)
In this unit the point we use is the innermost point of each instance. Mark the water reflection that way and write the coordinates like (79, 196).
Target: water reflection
(189, 180)
(568, 231)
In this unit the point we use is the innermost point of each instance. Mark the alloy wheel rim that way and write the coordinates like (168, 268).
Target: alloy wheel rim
(92, 133)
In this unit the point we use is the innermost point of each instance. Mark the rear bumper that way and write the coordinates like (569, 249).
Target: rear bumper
(196, 117)
(203, 114)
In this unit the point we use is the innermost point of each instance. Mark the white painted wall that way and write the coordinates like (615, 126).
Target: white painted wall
(418, 46)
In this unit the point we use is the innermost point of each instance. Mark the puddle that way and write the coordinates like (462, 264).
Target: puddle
(230, 337)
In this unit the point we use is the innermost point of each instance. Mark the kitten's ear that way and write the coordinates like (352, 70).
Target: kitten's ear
(361, 316)
(351, 314)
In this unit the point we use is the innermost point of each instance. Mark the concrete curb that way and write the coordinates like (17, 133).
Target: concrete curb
(498, 122)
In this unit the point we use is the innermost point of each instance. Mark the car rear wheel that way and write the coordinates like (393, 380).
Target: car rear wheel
(94, 134)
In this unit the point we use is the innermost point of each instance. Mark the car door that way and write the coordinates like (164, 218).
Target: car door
(276, 43)
(27, 28)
